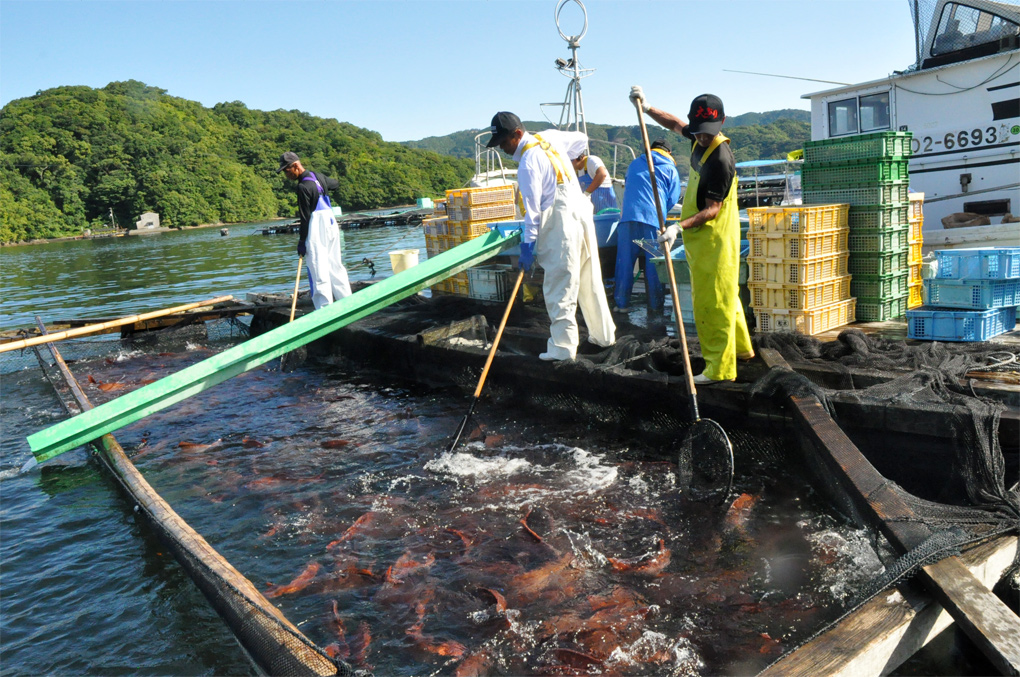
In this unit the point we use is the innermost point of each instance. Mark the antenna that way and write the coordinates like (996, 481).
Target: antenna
(572, 108)
(789, 77)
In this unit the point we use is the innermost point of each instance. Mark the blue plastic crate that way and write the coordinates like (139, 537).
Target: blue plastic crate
(934, 324)
(989, 263)
(977, 294)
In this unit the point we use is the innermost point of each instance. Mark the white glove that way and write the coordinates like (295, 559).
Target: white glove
(669, 236)
(637, 96)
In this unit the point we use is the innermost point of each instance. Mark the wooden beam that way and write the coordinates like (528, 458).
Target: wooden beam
(197, 378)
(993, 627)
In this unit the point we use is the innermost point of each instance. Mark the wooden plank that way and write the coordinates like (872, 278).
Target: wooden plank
(878, 637)
(982, 616)
(96, 328)
(148, 399)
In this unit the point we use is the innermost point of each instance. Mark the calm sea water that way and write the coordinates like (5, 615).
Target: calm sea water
(603, 565)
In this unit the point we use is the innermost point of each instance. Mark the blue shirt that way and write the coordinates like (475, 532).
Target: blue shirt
(638, 204)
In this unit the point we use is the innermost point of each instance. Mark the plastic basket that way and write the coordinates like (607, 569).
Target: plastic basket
(916, 205)
(486, 213)
(868, 241)
(972, 294)
(914, 255)
(915, 296)
(490, 282)
(860, 147)
(882, 193)
(930, 324)
(878, 217)
(799, 296)
(853, 172)
(878, 264)
(988, 263)
(915, 232)
(803, 271)
(798, 246)
(880, 287)
(914, 275)
(807, 322)
(805, 220)
(880, 310)
(467, 230)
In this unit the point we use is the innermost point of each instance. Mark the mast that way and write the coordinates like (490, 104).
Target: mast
(572, 108)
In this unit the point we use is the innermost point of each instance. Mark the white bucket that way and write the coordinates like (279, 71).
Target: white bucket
(402, 259)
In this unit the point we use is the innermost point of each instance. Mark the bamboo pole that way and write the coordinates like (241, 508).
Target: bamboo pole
(102, 326)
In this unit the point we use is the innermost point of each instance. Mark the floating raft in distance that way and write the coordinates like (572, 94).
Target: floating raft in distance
(398, 217)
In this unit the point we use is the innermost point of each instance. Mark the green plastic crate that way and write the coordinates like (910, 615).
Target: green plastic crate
(868, 241)
(880, 287)
(878, 264)
(859, 147)
(878, 310)
(893, 192)
(853, 173)
(879, 217)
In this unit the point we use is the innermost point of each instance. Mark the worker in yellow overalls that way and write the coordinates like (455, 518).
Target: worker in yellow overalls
(710, 224)
(559, 234)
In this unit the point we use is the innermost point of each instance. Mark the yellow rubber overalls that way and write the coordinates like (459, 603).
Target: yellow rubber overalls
(713, 254)
(567, 250)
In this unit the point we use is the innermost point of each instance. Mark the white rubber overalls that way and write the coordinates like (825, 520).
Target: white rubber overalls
(567, 250)
(326, 273)
(713, 254)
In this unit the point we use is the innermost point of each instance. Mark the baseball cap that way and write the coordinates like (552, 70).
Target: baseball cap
(286, 160)
(706, 116)
(503, 124)
(662, 144)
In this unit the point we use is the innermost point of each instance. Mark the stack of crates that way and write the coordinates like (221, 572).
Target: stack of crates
(868, 172)
(797, 268)
(468, 211)
(972, 297)
(915, 240)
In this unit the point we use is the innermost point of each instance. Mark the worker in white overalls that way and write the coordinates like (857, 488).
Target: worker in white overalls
(319, 239)
(559, 234)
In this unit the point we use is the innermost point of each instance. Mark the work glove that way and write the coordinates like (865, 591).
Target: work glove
(527, 258)
(300, 248)
(668, 236)
(637, 96)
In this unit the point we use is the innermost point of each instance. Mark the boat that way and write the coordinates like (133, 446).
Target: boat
(960, 102)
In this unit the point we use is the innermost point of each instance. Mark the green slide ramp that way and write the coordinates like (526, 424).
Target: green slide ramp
(136, 405)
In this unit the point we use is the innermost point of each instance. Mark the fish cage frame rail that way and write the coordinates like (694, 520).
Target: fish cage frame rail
(270, 641)
(92, 424)
(982, 616)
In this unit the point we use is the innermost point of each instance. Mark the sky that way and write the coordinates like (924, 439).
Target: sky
(411, 69)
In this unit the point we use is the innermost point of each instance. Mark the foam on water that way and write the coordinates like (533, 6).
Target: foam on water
(482, 470)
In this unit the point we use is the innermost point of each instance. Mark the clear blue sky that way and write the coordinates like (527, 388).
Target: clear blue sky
(415, 68)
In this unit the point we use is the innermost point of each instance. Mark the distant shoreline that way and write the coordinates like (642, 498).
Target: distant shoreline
(69, 238)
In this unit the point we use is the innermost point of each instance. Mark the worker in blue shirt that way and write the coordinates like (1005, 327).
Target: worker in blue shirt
(640, 221)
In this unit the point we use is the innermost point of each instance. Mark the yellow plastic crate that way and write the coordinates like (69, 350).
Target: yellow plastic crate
(807, 322)
(796, 271)
(486, 213)
(915, 296)
(915, 233)
(798, 245)
(916, 205)
(914, 254)
(803, 219)
(439, 207)
(483, 196)
(799, 296)
(914, 278)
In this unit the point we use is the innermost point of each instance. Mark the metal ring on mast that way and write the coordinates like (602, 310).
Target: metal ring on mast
(574, 39)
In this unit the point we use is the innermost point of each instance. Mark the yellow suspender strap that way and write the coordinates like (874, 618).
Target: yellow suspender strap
(554, 157)
(719, 139)
(665, 154)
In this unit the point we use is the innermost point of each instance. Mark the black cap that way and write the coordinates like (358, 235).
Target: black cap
(662, 144)
(706, 116)
(286, 160)
(503, 124)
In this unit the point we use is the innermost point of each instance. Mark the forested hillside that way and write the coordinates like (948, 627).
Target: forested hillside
(70, 154)
(754, 136)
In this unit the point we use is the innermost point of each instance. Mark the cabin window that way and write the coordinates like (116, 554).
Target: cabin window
(875, 112)
(962, 27)
(843, 117)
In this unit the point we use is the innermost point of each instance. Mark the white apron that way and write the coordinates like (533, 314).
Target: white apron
(326, 273)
